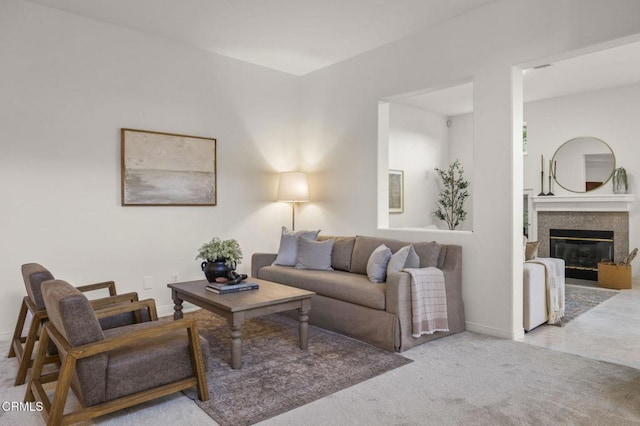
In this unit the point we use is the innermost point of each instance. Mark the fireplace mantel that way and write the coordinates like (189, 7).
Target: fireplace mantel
(584, 203)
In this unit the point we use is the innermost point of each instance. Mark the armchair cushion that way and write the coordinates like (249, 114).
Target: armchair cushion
(34, 275)
(72, 315)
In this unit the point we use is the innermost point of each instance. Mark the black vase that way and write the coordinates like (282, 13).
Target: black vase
(217, 268)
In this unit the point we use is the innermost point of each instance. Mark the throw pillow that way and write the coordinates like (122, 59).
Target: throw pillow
(531, 251)
(377, 264)
(314, 254)
(288, 251)
(406, 257)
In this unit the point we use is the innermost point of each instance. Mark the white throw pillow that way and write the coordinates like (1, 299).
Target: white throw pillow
(288, 251)
(314, 254)
(377, 264)
(406, 257)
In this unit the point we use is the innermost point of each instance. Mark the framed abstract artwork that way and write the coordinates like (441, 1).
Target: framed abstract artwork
(166, 169)
(396, 191)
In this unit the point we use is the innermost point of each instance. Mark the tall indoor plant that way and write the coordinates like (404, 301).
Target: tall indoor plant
(452, 195)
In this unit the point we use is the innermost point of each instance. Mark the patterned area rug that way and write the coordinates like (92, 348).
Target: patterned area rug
(276, 376)
(579, 299)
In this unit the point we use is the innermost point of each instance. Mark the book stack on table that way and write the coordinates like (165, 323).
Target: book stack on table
(221, 288)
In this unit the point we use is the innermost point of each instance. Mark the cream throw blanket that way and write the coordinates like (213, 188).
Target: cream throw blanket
(428, 301)
(554, 274)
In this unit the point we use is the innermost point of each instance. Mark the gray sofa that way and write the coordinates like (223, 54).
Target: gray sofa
(348, 303)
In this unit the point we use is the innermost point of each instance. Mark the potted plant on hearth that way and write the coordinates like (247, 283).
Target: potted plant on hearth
(220, 258)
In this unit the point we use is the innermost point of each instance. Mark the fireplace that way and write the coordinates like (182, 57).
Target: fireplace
(581, 250)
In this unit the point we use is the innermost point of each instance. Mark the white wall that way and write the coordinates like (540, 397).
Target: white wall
(68, 85)
(610, 115)
(339, 126)
(418, 143)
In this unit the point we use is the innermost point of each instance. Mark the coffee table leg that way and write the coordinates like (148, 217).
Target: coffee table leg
(236, 341)
(177, 307)
(303, 315)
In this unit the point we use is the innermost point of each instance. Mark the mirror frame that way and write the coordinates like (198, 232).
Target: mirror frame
(592, 189)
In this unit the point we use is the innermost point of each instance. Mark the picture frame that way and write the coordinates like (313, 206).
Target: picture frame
(396, 191)
(167, 169)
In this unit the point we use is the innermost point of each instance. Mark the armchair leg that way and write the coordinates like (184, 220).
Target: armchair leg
(198, 363)
(52, 412)
(25, 359)
(17, 333)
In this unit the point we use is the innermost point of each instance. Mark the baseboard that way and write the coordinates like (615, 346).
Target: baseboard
(490, 331)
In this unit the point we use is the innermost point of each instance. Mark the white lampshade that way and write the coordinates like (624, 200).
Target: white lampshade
(293, 187)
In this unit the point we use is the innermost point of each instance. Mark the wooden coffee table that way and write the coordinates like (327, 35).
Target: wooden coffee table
(238, 307)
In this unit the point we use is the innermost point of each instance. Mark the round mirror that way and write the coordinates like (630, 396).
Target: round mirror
(583, 164)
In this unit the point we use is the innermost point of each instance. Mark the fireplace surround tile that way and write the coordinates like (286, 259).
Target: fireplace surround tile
(618, 222)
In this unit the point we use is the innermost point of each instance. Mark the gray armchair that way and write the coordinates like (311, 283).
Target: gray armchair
(116, 368)
(22, 346)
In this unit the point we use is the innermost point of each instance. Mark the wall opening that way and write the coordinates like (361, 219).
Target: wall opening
(417, 133)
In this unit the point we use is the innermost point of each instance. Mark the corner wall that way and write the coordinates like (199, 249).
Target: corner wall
(68, 85)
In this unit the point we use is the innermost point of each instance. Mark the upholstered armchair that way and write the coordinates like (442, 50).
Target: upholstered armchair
(34, 275)
(116, 368)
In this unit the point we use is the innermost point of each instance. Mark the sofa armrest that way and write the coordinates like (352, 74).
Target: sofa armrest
(398, 292)
(259, 260)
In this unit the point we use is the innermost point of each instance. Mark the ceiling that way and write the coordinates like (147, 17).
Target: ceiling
(294, 36)
(301, 36)
(614, 67)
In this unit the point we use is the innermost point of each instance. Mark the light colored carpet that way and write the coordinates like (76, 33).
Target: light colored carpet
(472, 379)
(466, 378)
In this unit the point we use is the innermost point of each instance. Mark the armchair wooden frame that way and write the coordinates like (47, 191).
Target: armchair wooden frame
(22, 346)
(53, 411)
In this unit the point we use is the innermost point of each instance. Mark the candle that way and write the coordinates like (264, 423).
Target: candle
(542, 163)
(555, 167)
(550, 169)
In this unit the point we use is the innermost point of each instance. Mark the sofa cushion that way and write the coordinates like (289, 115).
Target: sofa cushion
(428, 252)
(377, 264)
(345, 286)
(406, 257)
(314, 254)
(287, 253)
(342, 250)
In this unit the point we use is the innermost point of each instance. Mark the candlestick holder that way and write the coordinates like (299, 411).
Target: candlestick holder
(541, 194)
(550, 193)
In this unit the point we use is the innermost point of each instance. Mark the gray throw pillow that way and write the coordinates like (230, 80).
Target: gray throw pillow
(377, 264)
(288, 251)
(314, 254)
(406, 257)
